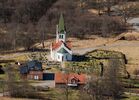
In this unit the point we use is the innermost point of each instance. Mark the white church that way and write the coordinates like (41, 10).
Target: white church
(61, 49)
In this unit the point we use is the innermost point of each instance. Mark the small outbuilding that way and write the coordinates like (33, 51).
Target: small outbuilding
(32, 70)
(49, 79)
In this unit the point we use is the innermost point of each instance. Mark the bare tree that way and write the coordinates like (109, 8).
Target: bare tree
(18, 87)
(108, 86)
(108, 4)
(124, 10)
(112, 79)
(66, 80)
(42, 29)
(66, 87)
(11, 79)
(100, 6)
(105, 27)
(104, 5)
(136, 73)
(127, 9)
(3, 3)
(13, 29)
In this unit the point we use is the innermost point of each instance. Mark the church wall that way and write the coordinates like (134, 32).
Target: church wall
(59, 57)
(69, 57)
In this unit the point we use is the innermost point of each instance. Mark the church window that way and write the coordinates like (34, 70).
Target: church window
(61, 36)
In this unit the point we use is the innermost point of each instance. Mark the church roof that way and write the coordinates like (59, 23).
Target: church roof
(61, 26)
(58, 44)
(62, 50)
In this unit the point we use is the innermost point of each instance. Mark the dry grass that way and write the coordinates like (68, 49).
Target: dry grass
(94, 11)
(76, 43)
(131, 52)
(8, 98)
(21, 58)
(92, 41)
(132, 36)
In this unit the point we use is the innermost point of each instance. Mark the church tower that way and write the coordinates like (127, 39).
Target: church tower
(60, 30)
(61, 50)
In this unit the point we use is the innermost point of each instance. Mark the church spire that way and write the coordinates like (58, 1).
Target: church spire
(60, 30)
(61, 26)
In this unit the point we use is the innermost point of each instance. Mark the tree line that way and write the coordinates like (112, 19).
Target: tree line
(19, 22)
(26, 22)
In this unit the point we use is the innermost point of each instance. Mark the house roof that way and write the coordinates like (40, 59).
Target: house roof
(59, 43)
(34, 65)
(34, 72)
(31, 65)
(63, 78)
(23, 69)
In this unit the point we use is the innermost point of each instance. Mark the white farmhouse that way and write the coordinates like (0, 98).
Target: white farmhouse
(61, 49)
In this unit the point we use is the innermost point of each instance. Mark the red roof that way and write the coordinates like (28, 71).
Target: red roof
(63, 78)
(59, 43)
(56, 45)
(69, 44)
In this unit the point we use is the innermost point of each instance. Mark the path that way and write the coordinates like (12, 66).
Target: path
(116, 44)
(82, 51)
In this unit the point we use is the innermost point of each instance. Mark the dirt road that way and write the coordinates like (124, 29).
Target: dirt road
(81, 51)
(117, 44)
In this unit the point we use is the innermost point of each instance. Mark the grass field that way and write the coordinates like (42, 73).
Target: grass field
(92, 62)
(131, 52)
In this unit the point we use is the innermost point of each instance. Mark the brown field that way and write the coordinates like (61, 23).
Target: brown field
(8, 98)
(76, 43)
(129, 47)
(132, 54)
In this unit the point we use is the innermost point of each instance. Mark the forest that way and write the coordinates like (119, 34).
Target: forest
(26, 22)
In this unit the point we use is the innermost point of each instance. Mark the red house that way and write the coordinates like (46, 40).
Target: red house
(35, 75)
(71, 79)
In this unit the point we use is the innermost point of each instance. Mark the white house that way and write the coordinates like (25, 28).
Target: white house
(61, 49)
